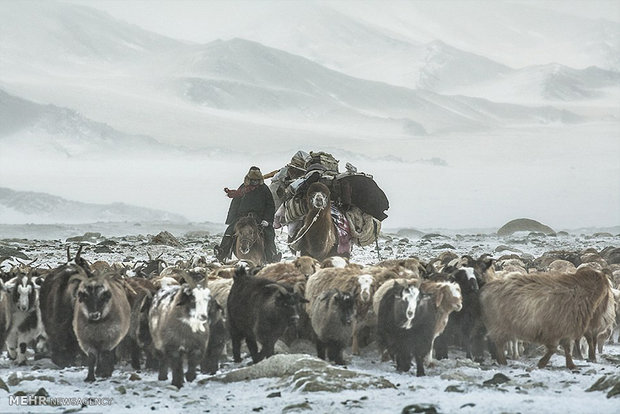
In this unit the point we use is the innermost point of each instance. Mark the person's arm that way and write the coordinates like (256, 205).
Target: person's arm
(232, 210)
(270, 207)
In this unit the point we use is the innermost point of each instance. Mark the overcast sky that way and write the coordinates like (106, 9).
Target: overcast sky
(205, 20)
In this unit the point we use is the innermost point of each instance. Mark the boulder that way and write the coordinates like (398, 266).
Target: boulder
(408, 232)
(304, 373)
(166, 239)
(524, 224)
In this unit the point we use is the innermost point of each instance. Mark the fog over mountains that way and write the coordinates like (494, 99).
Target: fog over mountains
(521, 111)
(32, 207)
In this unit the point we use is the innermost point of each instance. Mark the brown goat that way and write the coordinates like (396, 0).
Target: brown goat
(359, 284)
(448, 299)
(101, 320)
(546, 308)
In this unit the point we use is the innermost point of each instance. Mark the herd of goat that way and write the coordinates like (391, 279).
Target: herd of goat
(163, 315)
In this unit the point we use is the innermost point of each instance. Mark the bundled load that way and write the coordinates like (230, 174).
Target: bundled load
(358, 204)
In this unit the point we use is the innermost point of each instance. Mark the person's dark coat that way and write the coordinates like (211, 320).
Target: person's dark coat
(259, 201)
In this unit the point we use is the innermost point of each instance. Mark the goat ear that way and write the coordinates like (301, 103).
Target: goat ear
(439, 297)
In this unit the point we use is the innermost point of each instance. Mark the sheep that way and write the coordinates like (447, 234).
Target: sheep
(259, 310)
(331, 317)
(546, 308)
(57, 298)
(179, 325)
(101, 319)
(359, 285)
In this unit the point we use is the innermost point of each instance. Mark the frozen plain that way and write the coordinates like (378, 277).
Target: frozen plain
(453, 386)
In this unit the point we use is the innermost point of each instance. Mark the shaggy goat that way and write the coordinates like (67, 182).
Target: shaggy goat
(331, 317)
(26, 324)
(101, 319)
(396, 304)
(461, 324)
(295, 274)
(360, 286)
(218, 336)
(140, 296)
(179, 325)
(259, 310)
(545, 308)
(57, 299)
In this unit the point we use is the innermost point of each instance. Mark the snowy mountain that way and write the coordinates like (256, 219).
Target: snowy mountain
(52, 37)
(553, 82)
(389, 42)
(243, 76)
(53, 130)
(32, 207)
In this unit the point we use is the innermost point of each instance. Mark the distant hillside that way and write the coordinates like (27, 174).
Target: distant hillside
(56, 129)
(553, 82)
(18, 207)
(244, 76)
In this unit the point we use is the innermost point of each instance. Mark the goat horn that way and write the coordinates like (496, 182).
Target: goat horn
(149, 254)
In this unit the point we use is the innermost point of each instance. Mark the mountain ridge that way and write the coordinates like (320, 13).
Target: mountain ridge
(20, 207)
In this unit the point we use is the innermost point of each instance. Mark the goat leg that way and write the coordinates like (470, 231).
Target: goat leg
(236, 346)
(577, 349)
(105, 365)
(176, 363)
(591, 347)
(499, 352)
(567, 345)
(192, 361)
(92, 359)
(163, 367)
(334, 353)
(355, 347)
(419, 362)
(253, 348)
(320, 349)
(545, 359)
(21, 354)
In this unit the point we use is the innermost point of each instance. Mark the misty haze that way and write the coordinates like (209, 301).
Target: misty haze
(519, 123)
(490, 128)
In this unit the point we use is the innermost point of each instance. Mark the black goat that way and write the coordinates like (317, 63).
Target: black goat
(259, 310)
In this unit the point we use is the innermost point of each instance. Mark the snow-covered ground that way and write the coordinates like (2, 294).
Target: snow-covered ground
(366, 385)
